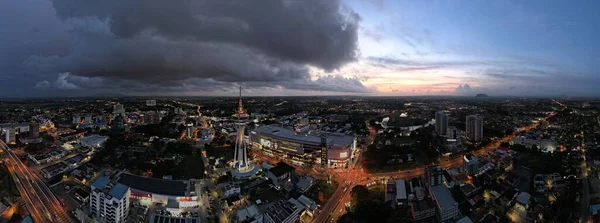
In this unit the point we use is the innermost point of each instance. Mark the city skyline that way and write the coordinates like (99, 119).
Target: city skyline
(348, 47)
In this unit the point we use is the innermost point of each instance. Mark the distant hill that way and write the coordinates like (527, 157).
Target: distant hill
(481, 96)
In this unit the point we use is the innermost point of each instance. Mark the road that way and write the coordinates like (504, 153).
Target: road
(41, 202)
(584, 200)
(357, 176)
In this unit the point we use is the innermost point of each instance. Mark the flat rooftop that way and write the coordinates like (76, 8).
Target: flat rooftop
(281, 210)
(335, 139)
(443, 197)
(118, 191)
(155, 186)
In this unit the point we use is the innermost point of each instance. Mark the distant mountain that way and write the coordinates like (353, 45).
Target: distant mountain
(481, 96)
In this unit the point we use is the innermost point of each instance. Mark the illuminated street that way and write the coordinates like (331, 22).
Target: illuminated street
(43, 205)
(356, 176)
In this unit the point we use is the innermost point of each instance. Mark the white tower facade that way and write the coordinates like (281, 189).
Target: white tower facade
(241, 167)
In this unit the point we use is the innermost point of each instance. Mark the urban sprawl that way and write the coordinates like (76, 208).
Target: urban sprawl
(300, 159)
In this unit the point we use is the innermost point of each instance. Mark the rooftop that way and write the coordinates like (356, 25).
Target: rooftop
(155, 218)
(401, 189)
(156, 186)
(118, 191)
(93, 139)
(281, 210)
(247, 213)
(466, 219)
(421, 205)
(101, 182)
(443, 197)
(523, 198)
(281, 168)
(335, 139)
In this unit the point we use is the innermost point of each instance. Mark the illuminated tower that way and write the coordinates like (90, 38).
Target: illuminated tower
(189, 130)
(241, 167)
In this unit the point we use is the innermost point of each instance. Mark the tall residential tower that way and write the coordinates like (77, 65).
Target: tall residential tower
(474, 127)
(441, 123)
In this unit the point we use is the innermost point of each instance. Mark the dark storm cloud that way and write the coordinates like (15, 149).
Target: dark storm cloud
(311, 31)
(168, 43)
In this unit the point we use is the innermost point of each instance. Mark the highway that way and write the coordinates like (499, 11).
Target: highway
(41, 202)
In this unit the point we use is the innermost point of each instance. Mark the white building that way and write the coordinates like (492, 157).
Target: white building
(545, 145)
(93, 141)
(232, 189)
(119, 109)
(9, 135)
(446, 206)
(475, 166)
(441, 123)
(470, 164)
(474, 127)
(401, 194)
(109, 202)
(150, 102)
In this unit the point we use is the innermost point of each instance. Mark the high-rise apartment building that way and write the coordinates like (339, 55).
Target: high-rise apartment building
(470, 164)
(119, 109)
(109, 202)
(118, 123)
(441, 123)
(474, 127)
(189, 130)
(34, 129)
(435, 175)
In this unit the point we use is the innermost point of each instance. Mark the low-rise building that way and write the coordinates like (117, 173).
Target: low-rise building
(231, 189)
(148, 191)
(401, 193)
(283, 211)
(93, 141)
(281, 173)
(156, 218)
(305, 183)
(249, 215)
(422, 209)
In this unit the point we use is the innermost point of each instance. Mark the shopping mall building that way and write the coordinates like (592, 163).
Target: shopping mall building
(304, 147)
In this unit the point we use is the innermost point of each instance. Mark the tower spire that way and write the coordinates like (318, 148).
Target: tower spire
(240, 106)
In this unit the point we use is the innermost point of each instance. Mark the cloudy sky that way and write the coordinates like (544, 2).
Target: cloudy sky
(292, 47)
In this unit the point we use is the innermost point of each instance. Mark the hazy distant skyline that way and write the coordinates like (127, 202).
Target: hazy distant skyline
(309, 47)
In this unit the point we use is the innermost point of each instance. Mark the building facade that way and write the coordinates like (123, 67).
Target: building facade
(109, 203)
(446, 206)
(303, 148)
(441, 123)
(435, 175)
(474, 127)
(34, 129)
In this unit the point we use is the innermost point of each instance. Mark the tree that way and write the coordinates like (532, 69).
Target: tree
(372, 211)
(359, 192)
